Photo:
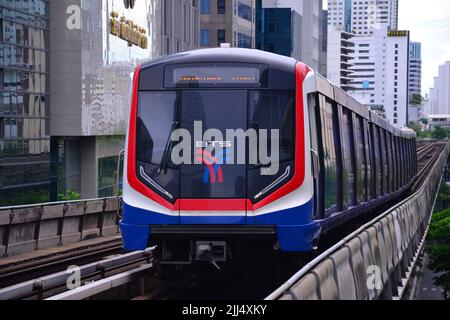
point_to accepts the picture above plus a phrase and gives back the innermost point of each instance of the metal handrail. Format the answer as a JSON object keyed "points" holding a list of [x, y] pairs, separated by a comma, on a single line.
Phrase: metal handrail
{"points": [[54, 203]]}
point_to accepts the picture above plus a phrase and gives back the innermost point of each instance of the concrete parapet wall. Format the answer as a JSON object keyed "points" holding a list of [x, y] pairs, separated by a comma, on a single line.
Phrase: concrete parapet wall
{"points": [[376, 261], [34, 227]]}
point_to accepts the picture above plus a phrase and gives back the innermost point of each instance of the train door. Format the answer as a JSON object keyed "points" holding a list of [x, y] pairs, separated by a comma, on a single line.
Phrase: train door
{"points": [[214, 182]]}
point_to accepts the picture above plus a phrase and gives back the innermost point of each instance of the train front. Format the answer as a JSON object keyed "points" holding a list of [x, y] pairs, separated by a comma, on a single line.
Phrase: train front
{"points": [[217, 155]]}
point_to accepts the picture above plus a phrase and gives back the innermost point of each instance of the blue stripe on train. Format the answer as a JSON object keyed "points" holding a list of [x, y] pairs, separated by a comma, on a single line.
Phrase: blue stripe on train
{"points": [[295, 229]]}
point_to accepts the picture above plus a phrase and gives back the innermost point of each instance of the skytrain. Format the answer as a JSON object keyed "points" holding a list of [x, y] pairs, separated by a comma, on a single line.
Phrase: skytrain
{"points": [[230, 144]]}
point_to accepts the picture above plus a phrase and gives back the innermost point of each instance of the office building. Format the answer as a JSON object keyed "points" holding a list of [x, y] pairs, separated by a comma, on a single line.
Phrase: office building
{"points": [[439, 120], [95, 47], [293, 28], [341, 49], [380, 73], [415, 68], [24, 102], [174, 26], [225, 21], [363, 17], [440, 93]]}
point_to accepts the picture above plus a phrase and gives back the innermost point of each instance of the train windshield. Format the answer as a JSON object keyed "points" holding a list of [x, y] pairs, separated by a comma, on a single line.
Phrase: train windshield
{"points": [[212, 143]]}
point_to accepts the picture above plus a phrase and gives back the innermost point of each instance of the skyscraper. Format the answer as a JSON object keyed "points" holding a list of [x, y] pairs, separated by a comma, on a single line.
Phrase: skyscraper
{"points": [[24, 102], [293, 28], [341, 48], [440, 93], [415, 68], [363, 17], [380, 73]]}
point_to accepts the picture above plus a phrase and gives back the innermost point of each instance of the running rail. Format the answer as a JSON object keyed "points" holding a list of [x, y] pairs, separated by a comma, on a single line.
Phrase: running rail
{"points": [[375, 261], [60, 279]]}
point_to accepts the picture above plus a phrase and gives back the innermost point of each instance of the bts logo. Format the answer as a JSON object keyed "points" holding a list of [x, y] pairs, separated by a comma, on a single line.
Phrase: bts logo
{"points": [[129, 4], [213, 165]]}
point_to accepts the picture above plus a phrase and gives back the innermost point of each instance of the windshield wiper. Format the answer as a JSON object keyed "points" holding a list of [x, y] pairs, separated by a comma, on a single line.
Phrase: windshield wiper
{"points": [[169, 144]]}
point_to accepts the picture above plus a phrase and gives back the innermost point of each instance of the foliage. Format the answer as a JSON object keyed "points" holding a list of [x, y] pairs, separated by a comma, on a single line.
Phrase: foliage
{"points": [[416, 99], [424, 121], [24, 197], [70, 196], [439, 237], [443, 199], [438, 133], [415, 126]]}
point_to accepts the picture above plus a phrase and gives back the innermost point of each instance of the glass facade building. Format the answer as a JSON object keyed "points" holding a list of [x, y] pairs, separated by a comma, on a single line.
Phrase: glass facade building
{"points": [[24, 102], [274, 30], [93, 61]]}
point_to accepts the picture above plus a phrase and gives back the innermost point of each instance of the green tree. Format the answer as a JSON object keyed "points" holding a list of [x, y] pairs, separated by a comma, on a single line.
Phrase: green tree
{"points": [[439, 133], [439, 250], [70, 196], [416, 100], [438, 246], [415, 126], [443, 199]]}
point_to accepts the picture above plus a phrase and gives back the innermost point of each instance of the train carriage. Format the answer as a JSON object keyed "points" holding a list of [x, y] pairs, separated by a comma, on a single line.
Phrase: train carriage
{"points": [[229, 143]]}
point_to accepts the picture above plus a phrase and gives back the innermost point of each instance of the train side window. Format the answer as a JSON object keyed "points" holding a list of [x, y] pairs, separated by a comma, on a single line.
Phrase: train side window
{"points": [[385, 161], [414, 156], [405, 152], [348, 157], [313, 107], [397, 163], [370, 162], [377, 158], [361, 160], [409, 160], [401, 160], [402, 163], [328, 151], [391, 162]]}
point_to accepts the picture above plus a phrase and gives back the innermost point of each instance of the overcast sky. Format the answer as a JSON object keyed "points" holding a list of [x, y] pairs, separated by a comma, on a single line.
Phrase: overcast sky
{"points": [[429, 23]]}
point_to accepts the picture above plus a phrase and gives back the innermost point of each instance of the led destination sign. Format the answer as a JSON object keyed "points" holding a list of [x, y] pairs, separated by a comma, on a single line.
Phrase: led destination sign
{"points": [[215, 76]]}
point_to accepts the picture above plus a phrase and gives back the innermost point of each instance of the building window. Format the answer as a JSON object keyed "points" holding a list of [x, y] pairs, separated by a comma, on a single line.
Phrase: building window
{"points": [[205, 35], [205, 6], [220, 37], [220, 6], [244, 41], [244, 11]]}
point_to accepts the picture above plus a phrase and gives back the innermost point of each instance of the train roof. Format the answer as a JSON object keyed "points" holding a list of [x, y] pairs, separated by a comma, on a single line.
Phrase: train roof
{"points": [[282, 63], [332, 91], [225, 55]]}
